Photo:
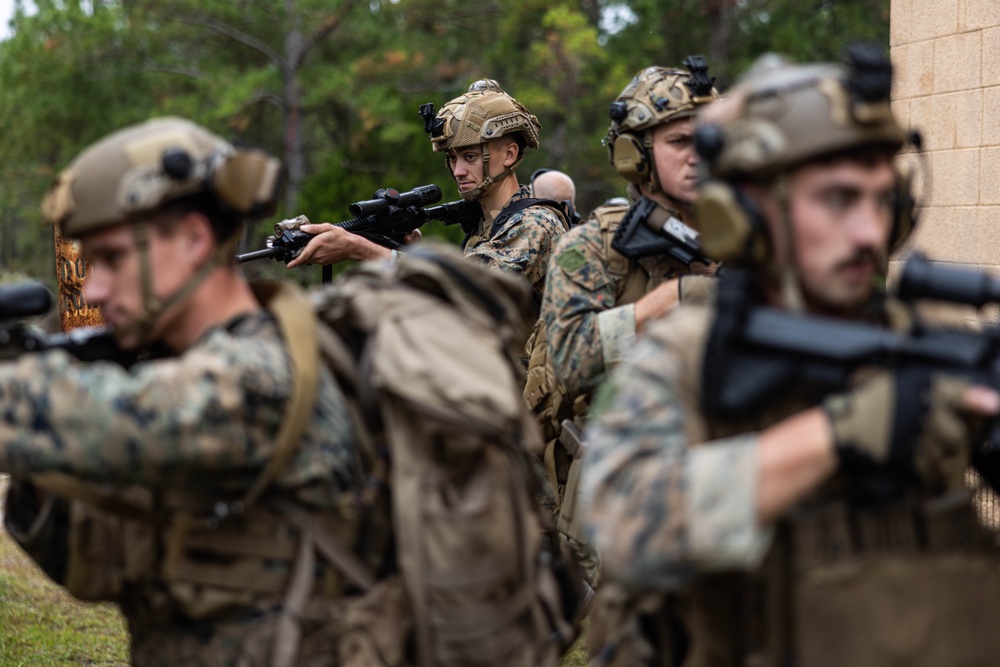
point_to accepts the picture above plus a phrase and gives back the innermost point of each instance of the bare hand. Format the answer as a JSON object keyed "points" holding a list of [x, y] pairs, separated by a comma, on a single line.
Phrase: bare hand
{"points": [[334, 244], [657, 303]]}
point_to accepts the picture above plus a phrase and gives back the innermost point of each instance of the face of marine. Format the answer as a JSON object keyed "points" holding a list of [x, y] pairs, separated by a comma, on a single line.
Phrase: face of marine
{"points": [[114, 271], [841, 213]]}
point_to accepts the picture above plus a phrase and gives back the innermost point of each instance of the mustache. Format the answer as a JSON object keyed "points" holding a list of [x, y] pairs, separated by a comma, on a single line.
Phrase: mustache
{"points": [[863, 256]]}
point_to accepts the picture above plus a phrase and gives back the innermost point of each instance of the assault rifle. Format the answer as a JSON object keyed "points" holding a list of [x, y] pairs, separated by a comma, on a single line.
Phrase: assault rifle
{"points": [[384, 220], [20, 301], [635, 238], [756, 354]]}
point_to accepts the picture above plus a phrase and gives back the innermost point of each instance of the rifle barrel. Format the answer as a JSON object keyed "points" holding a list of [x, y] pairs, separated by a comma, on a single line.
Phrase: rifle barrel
{"points": [[256, 254]]}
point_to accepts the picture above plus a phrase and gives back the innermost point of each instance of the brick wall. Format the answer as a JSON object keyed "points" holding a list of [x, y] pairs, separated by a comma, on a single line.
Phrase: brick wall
{"points": [[947, 59]]}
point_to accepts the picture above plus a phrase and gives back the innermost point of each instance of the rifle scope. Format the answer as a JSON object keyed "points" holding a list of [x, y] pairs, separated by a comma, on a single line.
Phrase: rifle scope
{"points": [[420, 196], [924, 279], [25, 299]]}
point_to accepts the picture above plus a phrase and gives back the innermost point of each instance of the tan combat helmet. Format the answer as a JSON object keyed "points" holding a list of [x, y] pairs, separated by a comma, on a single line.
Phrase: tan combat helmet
{"points": [[780, 115], [655, 96], [130, 174], [479, 116], [137, 170]]}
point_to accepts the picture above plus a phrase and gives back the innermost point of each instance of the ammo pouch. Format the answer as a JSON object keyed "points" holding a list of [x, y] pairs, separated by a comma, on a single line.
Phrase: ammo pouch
{"points": [[916, 584]]}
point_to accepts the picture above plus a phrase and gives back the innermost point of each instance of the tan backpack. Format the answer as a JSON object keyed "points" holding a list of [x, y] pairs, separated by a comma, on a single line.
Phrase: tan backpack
{"points": [[428, 350]]}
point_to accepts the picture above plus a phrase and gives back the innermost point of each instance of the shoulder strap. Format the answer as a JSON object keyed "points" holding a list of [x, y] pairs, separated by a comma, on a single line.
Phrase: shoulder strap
{"points": [[297, 322], [610, 218], [521, 204]]}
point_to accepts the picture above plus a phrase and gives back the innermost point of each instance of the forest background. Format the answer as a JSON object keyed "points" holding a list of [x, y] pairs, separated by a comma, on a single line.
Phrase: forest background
{"points": [[333, 86]]}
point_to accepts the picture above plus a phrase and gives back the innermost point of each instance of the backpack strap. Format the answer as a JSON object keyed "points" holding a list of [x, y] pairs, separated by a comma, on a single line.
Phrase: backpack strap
{"points": [[508, 211], [297, 322]]}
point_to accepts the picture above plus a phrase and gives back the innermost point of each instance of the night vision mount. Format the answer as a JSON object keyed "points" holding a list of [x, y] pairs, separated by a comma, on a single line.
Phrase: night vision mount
{"points": [[700, 84], [433, 125]]}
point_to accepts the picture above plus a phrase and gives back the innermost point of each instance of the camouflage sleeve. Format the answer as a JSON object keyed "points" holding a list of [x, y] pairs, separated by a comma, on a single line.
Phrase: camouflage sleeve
{"points": [[523, 246], [176, 422], [586, 332], [657, 509]]}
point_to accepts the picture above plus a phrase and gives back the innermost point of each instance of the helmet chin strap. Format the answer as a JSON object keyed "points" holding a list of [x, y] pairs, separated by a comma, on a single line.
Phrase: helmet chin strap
{"points": [[480, 190], [788, 274], [153, 306]]}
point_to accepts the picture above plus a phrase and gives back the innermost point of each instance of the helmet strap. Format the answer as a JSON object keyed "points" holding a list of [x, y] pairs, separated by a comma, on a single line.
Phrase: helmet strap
{"points": [[153, 306], [788, 277], [480, 191]]}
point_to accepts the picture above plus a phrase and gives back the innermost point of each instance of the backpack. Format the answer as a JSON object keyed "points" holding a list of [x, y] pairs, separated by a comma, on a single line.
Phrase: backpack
{"points": [[426, 351]]}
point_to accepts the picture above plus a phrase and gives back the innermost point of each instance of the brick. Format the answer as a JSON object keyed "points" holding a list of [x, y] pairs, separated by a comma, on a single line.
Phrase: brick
{"points": [[913, 70], [991, 114], [991, 63], [935, 118], [933, 18], [989, 186], [954, 177], [900, 22], [969, 119], [987, 237], [979, 14], [935, 236], [901, 110], [957, 63]]}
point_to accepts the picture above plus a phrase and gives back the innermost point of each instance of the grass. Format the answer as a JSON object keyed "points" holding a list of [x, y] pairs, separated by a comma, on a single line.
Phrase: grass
{"points": [[42, 625]]}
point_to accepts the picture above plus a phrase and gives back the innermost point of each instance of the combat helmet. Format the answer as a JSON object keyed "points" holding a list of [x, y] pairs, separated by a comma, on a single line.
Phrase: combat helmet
{"points": [[656, 95], [129, 175], [486, 112], [780, 115], [137, 170]]}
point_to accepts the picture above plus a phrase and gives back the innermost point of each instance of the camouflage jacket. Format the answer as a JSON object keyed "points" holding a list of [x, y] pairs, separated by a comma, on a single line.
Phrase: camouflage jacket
{"points": [[589, 322], [521, 245], [199, 425]]}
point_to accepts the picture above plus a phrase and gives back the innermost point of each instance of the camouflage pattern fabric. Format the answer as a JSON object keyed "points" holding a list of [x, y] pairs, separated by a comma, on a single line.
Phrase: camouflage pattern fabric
{"points": [[658, 509], [588, 327], [523, 245], [205, 423]]}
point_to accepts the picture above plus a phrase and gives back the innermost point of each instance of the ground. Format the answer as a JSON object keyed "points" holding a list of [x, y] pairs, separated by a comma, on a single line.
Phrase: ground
{"points": [[40, 624]]}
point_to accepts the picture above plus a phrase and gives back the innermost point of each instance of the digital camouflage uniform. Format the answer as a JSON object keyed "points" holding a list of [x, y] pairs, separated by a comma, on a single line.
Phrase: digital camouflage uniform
{"points": [[589, 318], [522, 245], [670, 500]]}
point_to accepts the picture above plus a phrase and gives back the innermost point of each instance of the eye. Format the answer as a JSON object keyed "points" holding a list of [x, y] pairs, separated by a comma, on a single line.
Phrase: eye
{"points": [[686, 141], [471, 157]]}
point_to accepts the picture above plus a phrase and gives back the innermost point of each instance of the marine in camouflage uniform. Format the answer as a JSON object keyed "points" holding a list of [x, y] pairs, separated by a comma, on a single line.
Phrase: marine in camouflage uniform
{"points": [[484, 134], [760, 527], [599, 292], [179, 488]]}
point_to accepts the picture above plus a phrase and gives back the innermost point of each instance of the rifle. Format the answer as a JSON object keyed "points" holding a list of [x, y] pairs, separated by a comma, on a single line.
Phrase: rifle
{"points": [[758, 354], [384, 220], [20, 301], [635, 239]]}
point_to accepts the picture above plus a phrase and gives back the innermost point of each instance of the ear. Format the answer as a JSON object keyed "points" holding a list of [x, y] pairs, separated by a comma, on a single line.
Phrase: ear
{"points": [[510, 152], [197, 237]]}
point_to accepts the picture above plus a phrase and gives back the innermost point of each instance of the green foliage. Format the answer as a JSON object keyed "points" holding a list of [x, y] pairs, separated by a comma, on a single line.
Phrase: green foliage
{"points": [[333, 86]]}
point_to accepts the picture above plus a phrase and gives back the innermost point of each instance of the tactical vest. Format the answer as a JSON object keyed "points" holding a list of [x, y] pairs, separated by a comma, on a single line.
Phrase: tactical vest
{"points": [[914, 582], [543, 393]]}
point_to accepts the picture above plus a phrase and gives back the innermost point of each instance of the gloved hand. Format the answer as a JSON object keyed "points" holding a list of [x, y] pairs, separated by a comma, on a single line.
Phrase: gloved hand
{"points": [[908, 421], [697, 288]]}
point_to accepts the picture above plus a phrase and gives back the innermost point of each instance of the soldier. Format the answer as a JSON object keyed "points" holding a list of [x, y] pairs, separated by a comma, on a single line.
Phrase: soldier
{"points": [[771, 527], [552, 184], [483, 135], [602, 289], [202, 480]]}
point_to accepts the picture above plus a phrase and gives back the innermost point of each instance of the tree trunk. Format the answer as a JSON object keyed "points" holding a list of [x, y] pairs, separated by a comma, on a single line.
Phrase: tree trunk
{"points": [[292, 107]]}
